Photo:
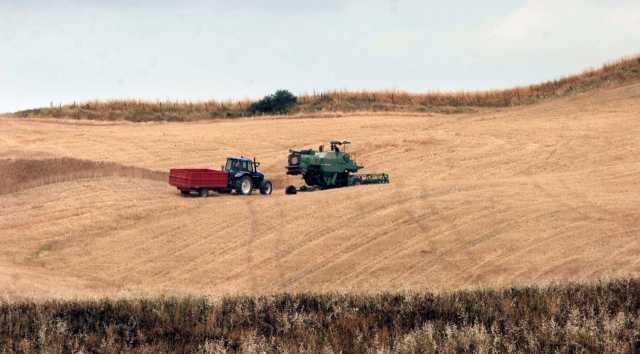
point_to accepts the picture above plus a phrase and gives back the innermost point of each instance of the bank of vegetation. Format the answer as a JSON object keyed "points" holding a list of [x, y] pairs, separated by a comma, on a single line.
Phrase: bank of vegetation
{"points": [[283, 102], [602, 317]]}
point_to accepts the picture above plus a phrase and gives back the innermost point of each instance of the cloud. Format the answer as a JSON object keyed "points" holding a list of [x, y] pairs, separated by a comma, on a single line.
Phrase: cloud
{"points": [[282, 6], [568, 35], [539, 20], [531, 19], [271, 6], [395, 41], [274, 6], [626, 16]]}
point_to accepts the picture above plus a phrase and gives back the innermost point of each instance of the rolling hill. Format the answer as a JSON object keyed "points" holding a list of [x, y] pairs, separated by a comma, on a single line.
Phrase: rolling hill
{"points": [[548, 191]]}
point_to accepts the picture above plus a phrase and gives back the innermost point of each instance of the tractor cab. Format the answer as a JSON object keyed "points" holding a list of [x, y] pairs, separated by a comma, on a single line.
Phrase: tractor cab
{"points": [[240, 164]]}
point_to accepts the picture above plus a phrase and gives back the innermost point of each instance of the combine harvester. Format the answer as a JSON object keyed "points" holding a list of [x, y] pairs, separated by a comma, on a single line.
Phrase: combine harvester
{"points": [[328, 169]]}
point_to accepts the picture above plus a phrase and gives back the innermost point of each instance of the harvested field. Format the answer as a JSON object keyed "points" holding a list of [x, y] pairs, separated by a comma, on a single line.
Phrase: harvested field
{"points": [[499, 197]]}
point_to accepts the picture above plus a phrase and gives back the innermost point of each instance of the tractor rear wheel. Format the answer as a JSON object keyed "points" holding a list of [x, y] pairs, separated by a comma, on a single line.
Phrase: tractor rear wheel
{"points": [[266, 187], [244, 186]]}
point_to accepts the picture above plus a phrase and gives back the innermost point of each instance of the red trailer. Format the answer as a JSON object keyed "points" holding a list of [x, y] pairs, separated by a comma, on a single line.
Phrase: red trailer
{"points": [[239, 174], [199, 180]]}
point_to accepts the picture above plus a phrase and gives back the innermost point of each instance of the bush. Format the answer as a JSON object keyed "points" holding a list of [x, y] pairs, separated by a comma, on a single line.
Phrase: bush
{"points": [[278, 103]]}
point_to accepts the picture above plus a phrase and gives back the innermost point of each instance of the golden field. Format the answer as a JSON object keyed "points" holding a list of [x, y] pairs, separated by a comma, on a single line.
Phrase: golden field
{"points": [[496, 197]]}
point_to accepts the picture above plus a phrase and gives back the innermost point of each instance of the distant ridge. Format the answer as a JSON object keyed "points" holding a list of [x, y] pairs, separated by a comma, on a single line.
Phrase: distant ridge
{"points": [[614, 73]]}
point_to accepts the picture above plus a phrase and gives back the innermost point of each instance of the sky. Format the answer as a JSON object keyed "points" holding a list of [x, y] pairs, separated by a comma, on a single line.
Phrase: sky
{"points": [[57, 52]]}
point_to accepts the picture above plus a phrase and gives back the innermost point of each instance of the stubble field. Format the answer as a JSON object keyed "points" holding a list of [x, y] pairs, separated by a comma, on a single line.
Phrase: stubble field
{"points": [[499, 197]]}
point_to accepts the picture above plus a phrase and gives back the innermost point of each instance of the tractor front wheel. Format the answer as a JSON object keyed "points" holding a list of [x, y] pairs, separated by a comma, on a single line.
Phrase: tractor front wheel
{"points": [[244, 186]]}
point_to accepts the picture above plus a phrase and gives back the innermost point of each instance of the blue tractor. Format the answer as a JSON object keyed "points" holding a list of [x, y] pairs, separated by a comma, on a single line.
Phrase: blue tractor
{"points": [[244, 176]]}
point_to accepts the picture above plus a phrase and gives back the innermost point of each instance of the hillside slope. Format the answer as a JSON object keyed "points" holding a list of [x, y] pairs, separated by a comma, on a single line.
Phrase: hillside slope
{"points": [[505, 196]]}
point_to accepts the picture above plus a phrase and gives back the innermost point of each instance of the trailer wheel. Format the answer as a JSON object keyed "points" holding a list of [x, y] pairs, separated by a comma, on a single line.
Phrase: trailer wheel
{"points": [[266, 187], [185, 193], [244, 186], [204, 192]]}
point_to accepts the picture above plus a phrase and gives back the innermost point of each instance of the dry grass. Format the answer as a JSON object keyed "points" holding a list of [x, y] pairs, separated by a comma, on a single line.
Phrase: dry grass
{"points": [[140, 110], [623, 70], [599, 318], [627, 69], [20, 174]]}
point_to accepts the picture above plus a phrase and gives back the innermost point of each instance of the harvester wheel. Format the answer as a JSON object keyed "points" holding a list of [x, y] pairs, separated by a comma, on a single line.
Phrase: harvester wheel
{"points": [[204, 192], [266, 187], [290, 190], [244, 186]]}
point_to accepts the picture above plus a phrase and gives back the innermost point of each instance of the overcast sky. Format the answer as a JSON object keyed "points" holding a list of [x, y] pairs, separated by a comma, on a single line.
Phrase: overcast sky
{"points": [[73, 50]]}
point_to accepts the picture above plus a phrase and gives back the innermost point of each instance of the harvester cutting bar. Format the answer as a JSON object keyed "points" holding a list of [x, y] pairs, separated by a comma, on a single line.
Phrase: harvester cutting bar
{"points": [[372, 178]]}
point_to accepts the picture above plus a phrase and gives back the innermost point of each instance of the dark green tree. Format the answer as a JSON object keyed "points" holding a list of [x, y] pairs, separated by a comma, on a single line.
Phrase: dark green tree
{"points": [[278, 103]]}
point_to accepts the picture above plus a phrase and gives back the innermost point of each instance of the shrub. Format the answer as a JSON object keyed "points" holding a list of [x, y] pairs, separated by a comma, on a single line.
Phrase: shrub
{"points": [[278, 103]]}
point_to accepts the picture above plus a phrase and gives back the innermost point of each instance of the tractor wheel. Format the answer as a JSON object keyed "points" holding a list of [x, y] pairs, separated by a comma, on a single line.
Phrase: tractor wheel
{"points": [[357, 182], [204, 192], [244, 186], [290, 190], [266, 187]]}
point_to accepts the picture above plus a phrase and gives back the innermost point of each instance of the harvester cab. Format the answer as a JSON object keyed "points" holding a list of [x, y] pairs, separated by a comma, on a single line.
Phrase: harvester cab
{"points": [[335, 146]]}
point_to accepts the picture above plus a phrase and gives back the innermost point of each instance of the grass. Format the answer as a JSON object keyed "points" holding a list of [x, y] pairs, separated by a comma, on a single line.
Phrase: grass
{"points": [[617, 72], [571, 318]]}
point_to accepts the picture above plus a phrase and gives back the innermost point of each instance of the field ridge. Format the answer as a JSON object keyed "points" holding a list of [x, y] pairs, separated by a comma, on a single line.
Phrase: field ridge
{"points": [[618, 72], [20, 174]]}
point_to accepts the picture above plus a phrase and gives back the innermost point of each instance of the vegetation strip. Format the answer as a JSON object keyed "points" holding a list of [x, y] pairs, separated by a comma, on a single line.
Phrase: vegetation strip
{"points": [[283, 102], [600, 317]]}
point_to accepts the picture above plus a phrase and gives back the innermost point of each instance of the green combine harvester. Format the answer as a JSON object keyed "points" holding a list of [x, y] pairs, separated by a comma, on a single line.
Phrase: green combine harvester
{"points": [[328, 169]]}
